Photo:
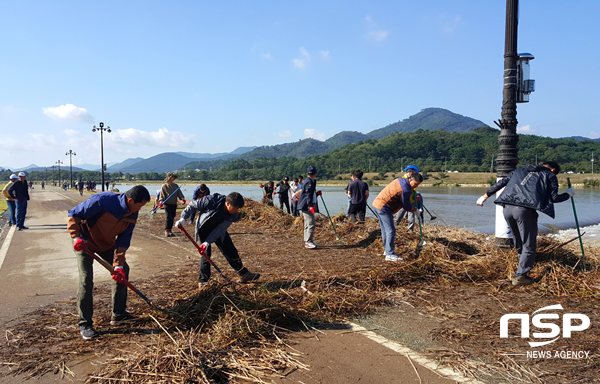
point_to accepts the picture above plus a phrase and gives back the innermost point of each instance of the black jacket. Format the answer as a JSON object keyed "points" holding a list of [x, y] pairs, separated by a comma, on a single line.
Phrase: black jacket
{"points": [[19, 190], [531, 186], [307, 196]]}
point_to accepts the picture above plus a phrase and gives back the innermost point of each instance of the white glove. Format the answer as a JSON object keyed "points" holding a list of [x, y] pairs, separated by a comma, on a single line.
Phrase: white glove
{"points": [[481, 200], [570, 191], [180, 222]]}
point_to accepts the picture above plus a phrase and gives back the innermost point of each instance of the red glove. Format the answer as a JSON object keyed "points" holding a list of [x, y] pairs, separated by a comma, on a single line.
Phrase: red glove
{"points": [[261, 185], [183, 201], [419, 198], [311, 210], [119, 275], [78, 244], [319, 193], [203, 247], [160, 205], [264, 196]]}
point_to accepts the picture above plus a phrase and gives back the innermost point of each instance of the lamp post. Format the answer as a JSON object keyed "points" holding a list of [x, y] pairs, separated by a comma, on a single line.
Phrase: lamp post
{"points": [[102, 129], [59, 163], [54, 166], [71, 154]]}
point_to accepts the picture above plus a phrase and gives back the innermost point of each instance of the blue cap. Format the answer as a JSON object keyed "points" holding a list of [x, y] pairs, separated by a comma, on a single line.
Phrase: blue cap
{"points": [[311, 170], [13, 176], [411, 168]]}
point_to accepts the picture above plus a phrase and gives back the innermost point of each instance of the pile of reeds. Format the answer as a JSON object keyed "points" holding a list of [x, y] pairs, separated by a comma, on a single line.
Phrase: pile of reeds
{"points": [[230, 332]]}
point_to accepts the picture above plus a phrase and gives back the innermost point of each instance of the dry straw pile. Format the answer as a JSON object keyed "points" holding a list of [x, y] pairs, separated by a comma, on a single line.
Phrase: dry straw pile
{"points": [[229, 332]]}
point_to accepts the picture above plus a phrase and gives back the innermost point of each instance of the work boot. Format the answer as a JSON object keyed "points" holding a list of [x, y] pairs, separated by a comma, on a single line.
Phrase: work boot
{"points": [[122, 319], [248, 277], [87, 332], [522, 280]]}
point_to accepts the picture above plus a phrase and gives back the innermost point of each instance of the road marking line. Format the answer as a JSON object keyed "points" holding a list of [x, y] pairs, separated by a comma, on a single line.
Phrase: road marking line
{"points": [[415, 356], [6, 244]]}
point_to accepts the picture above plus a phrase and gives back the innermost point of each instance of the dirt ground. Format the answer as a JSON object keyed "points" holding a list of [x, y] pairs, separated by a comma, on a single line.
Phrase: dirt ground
{"points": [[444, 301]]}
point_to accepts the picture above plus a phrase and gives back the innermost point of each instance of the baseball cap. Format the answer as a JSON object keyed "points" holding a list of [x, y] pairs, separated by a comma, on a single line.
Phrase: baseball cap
{"points": [[411, 167], [311, 170], [286, 179], [22, 174], [13, 176]]}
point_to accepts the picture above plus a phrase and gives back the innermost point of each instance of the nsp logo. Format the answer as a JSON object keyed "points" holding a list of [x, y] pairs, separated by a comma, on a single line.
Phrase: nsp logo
{"points": [[537, 321]]}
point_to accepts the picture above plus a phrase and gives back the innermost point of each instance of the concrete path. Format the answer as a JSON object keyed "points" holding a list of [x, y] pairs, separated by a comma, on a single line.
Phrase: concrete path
{"points": [[38, 268]]}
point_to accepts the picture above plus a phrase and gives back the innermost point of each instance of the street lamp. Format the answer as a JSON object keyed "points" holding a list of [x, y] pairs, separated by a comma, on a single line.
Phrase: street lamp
{"points": [[59, 163], [54, 166], [71, 154], [102, 129]]}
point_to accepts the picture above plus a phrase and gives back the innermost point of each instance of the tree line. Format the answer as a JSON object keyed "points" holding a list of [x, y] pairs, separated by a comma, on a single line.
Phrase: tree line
{"points": [[431, 151]]}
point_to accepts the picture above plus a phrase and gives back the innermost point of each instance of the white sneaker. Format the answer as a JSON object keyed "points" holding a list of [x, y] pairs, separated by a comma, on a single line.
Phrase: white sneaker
{"points": [[310, 245], [393, 258]]}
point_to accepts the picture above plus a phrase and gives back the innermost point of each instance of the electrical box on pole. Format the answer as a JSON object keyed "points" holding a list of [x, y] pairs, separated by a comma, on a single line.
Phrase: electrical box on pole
{"points": [[525, 85]]}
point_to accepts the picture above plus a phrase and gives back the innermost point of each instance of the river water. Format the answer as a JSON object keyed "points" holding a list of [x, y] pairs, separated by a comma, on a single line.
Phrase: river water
{"points": [[454, 206]]}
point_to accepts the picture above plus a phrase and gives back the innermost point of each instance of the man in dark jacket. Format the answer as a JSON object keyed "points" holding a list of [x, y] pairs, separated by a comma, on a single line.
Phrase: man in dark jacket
{"points": [[216, 213], [20, 192], [358, 192], [527, 190], [283, 192], [307, 199], [200, 191], [104, 223]]}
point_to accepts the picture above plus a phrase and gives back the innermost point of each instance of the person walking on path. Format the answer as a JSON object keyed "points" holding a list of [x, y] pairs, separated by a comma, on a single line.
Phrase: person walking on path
{"points": [[80, 187], [527, 190], [104, 223], [170, 202], [200, 191], [283, 194], [358, 192], [215, 214], [43, 185], [10, 202], [19, 191], [307, 198], [410, 216], [391, 199]]}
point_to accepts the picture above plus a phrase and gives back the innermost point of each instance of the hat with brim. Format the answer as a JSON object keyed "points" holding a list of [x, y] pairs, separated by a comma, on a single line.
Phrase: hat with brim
{"points": [[13, 176], [22, 174], [411, 168]]}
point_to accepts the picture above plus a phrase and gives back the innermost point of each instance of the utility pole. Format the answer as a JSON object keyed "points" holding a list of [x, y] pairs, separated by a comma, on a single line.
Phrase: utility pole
{"points": [[53, 175], [507, 158], [592, 163]]}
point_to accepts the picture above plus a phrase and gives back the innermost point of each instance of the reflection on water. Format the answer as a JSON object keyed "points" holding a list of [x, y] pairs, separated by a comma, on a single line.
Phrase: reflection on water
{"points": [[454, 206]]}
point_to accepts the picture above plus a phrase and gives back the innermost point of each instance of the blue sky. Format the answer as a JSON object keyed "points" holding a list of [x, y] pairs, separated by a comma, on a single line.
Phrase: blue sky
{"points": [[208, 76]]}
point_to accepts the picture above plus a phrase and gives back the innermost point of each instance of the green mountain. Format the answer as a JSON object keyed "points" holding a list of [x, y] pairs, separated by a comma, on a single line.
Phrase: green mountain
{"points": [[429, 119]]}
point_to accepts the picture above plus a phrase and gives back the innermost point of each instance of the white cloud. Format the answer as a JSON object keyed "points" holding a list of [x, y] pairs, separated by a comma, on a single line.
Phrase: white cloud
{"points": [[324, 54], [314, 134], [594, 135], [266, 56], [161, 138], [526, 129], [284, 134], [374, 32], [302, 61], [68, 112]]}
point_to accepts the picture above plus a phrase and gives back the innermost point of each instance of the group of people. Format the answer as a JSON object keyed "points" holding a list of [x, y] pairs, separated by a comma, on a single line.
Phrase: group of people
{"points": [[16, 192], [104, 223], [285, 191]]}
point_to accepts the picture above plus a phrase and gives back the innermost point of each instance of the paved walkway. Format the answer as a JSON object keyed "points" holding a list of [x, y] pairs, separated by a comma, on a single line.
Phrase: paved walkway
{"points": [[38, 268]]}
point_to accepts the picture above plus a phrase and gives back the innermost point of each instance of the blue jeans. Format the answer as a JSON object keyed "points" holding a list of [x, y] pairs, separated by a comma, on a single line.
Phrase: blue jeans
{"points": [[12, 208], [388, 230], [21, 211]]}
